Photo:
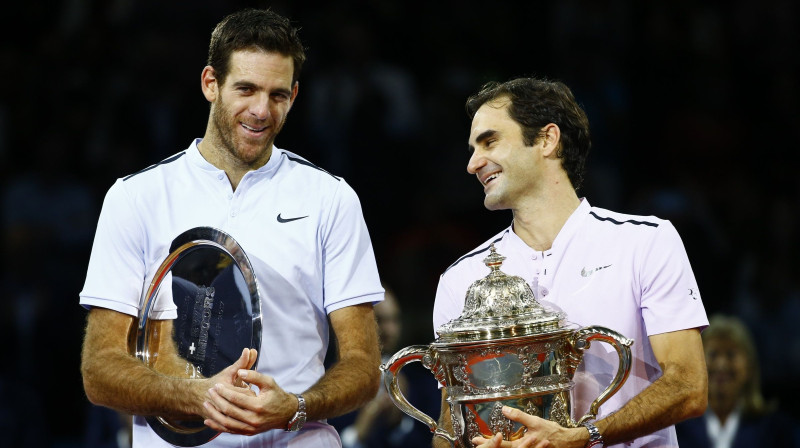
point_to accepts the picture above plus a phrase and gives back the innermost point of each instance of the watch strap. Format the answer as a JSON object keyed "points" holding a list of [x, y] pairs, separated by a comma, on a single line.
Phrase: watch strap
{"points": [[299, 418], [595, 438]]}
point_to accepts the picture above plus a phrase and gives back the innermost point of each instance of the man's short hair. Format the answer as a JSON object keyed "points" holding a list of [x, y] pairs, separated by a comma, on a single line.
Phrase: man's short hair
{"points": [[253, 28]]}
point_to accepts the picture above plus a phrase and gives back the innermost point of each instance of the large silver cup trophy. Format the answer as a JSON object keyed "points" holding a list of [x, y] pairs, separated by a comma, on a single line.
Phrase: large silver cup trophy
{"points": [[505, 349], [210, 280]]}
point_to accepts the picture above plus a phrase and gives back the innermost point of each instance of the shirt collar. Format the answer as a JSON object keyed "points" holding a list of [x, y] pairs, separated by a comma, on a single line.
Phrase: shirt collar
{"points": [[197, 159], [568, 230]]}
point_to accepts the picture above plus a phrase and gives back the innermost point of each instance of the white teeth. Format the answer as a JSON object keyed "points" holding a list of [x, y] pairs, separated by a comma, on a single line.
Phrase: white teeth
{"points": [[252, 128], [493, 176]]}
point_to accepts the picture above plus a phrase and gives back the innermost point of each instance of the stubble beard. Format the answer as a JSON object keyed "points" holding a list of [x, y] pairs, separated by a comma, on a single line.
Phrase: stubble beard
{"points": [[225, 124]]}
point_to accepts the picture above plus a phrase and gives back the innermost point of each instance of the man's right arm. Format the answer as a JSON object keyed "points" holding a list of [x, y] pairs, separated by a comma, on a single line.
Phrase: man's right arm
{"points": [[114, 378]]}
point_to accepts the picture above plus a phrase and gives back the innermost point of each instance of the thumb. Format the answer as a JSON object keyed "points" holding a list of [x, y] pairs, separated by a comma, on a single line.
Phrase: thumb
{"points": [[243, 360]]}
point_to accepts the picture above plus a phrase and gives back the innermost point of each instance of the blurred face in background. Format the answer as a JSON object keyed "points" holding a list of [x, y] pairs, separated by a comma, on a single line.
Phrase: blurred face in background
{"points": [[728, 370]]}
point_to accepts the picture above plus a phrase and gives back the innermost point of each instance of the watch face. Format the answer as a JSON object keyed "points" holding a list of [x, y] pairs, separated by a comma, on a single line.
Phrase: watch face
{"points": [[297, 422], [300, 416]]}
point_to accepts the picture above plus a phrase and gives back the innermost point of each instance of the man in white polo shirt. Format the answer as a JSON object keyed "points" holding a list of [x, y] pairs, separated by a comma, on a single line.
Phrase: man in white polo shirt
{"points": [[529, 141], [303, 231]]}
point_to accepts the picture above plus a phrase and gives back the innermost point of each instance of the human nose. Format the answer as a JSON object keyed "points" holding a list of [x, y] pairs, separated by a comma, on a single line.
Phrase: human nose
{"points": [[260, 107], [476, 162]]}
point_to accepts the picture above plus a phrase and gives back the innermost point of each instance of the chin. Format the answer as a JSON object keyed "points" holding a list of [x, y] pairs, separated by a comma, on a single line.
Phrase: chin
{"points": [[251, 154], [493, 204]]}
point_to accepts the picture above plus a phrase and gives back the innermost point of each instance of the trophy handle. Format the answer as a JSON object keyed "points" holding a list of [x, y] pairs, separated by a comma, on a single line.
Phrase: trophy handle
{"points": [[581, 340], [414, 353]]}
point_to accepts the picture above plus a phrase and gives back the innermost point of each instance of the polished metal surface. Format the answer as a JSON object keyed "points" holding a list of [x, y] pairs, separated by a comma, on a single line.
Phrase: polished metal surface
{"points": [[211, 282], [504, 349]]}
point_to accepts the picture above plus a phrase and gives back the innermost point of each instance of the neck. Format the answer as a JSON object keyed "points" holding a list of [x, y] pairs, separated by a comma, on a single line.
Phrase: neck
{"points": [[215, 152], [722, 406], [539, 220]]}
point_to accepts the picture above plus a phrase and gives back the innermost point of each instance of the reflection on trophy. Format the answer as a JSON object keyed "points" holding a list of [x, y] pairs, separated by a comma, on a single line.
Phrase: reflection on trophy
{"points": [[210, 281], [505, 349]]}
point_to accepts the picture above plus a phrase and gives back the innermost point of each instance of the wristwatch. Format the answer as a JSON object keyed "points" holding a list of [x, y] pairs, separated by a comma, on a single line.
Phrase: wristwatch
{"points": [[299, 418], [595, 438]]}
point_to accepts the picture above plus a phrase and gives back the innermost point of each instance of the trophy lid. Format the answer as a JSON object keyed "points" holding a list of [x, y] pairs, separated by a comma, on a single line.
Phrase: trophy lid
{"points": [[499, 306]]}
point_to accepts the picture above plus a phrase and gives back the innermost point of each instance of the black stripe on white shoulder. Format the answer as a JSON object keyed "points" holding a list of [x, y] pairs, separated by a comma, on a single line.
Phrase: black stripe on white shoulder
{"points": [[305, 162], [619, 223], [163, 162], [477, 252]]}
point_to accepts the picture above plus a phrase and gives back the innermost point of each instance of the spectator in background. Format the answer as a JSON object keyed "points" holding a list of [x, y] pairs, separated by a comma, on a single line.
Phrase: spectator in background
{"points": [[381, 424], [738, 416]]}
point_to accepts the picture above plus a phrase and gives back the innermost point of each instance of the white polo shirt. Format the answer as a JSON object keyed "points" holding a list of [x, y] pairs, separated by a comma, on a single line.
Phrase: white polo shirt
{"points": [[316, 259], [628, 273]]}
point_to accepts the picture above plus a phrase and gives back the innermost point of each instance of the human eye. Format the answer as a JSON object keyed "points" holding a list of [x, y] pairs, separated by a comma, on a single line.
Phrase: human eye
{"points": [[280, 96], [245, 90]]}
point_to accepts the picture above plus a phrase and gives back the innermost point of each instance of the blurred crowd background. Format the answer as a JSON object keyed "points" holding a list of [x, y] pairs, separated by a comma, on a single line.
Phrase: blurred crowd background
{"points": [[693, 107]]}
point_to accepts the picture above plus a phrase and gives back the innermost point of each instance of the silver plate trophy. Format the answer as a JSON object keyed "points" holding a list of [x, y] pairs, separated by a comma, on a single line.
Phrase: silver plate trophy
{"points": [[211, 282], [505, 349]]}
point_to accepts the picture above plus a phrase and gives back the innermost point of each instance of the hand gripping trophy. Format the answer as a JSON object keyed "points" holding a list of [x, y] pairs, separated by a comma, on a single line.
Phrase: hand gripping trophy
{"points": [[505, 349]]}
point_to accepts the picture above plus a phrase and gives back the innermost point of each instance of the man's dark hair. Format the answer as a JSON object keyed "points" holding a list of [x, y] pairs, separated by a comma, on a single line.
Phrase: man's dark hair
{"points": [[259, 29], [536, 103]]}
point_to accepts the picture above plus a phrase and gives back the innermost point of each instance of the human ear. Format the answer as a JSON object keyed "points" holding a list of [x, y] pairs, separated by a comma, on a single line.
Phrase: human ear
{"points": [[551, 140], [208, 83]]}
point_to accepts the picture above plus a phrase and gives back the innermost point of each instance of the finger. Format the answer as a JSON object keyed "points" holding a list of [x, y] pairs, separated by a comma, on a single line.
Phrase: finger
{"points": [[253, 356], [528, 441], [494, 442], [228, 410], [218, 421], [244, 359], [519, 416], [232, 400], [259, 379], [229, 373]]}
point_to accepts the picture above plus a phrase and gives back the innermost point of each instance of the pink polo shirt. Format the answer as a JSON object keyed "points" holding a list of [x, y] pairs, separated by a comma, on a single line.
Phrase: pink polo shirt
{"points": [[625, 272]]}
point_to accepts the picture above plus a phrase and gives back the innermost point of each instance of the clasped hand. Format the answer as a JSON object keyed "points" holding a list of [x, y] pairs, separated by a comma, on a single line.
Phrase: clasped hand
{"points": [[231, 405]]}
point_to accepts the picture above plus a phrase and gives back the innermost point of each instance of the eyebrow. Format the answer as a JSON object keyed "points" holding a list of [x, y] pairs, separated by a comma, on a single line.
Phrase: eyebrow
{"points": [[482, 137], [244, 84]]}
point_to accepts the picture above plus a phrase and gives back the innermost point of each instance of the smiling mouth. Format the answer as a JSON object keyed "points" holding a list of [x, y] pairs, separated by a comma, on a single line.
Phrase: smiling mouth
{"points": [[254, 129], [489, 179]]}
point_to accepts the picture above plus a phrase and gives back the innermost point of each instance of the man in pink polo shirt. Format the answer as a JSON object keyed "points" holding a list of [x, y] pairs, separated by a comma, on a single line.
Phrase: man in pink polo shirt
{"points": [[529, 141]]}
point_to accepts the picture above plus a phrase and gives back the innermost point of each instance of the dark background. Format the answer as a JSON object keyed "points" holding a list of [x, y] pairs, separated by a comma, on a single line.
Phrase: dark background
{"points": [[693, 107]]}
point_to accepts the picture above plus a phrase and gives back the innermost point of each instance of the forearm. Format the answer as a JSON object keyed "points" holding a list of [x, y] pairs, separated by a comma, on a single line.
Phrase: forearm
{"points": [[353, 380], [114, 378], [672, 398], [140, 390], [346, 386]]}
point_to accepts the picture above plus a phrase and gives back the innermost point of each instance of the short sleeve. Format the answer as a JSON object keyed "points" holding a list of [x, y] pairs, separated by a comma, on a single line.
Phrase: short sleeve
{"points": [[447, 306], [349, 267], [117, 270], [670, 299]]}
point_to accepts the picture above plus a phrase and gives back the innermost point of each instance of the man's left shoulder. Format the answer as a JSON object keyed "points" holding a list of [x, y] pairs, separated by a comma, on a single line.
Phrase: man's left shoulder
{"points": [[611, 221], [306, 170]]}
